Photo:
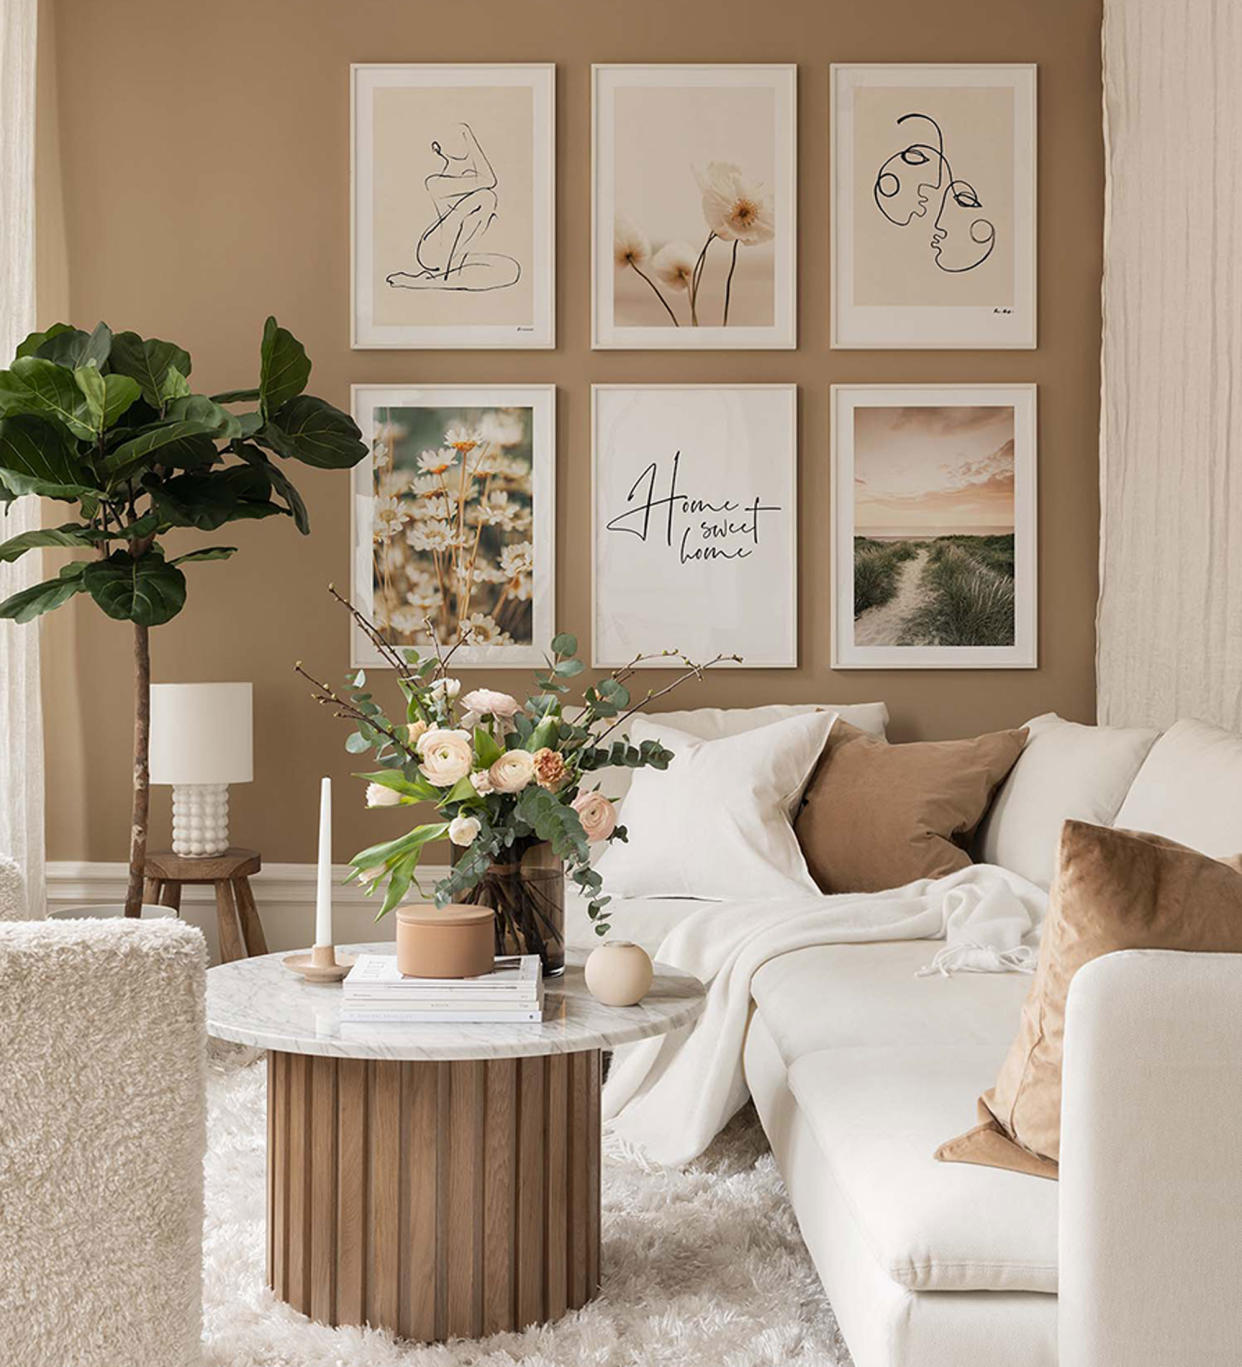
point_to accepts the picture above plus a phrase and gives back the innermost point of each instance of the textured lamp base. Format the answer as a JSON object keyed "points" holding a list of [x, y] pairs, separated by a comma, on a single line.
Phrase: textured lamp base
{"points": [[200, 819], [434, 1199]]}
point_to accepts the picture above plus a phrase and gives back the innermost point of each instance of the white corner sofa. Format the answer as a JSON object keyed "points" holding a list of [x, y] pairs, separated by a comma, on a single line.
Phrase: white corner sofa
{"points": [[859, 1069]]}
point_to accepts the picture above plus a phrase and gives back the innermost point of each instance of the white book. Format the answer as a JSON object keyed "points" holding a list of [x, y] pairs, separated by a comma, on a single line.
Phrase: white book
{"points": [[481, 1016], [376, 975]]}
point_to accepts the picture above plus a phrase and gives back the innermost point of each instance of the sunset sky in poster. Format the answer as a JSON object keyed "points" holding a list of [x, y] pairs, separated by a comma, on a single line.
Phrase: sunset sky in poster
{"points": [[933, 471]]}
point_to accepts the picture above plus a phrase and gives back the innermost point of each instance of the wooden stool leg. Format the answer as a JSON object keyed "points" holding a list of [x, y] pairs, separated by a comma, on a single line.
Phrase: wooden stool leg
{"points": [[151, 891], [248, 915], [231, 946], [170, 896]]}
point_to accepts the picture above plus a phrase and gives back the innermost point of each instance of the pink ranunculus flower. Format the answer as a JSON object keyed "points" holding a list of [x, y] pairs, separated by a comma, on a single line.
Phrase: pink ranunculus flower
{"points": [[487, 700], [447, 755], [597, 814]]}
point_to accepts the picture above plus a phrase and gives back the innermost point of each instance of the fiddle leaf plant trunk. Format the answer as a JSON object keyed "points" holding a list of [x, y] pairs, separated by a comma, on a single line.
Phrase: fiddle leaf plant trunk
{"points": [[107, 422]]}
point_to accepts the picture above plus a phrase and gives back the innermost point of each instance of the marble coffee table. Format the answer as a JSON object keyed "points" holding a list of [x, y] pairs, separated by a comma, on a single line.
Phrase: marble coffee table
{"points": [[435, 1180]]}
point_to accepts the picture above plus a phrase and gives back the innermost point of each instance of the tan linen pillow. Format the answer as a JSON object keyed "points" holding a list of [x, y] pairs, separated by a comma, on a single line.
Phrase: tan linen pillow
{"points": [[1113, 890], [877, 816]]}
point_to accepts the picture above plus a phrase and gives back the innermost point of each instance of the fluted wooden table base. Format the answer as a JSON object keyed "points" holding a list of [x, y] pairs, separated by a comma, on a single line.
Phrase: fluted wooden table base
{"points": [[434, 1199]]}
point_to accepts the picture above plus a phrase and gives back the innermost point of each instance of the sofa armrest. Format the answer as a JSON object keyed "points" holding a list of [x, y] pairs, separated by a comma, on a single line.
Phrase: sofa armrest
{"points": [[1151, 1161]]}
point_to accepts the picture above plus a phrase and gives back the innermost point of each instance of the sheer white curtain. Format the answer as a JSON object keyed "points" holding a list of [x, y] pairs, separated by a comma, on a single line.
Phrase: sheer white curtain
{"points": [[1170, 613], [21, 733]]}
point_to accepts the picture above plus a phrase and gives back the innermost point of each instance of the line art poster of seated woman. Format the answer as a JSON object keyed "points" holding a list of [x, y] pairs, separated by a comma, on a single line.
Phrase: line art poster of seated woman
{"points": [[464, 204]]}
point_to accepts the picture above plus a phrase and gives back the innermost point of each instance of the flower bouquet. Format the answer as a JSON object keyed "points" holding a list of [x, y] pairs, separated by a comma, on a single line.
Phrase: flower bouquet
{"points": [[511, 783]]}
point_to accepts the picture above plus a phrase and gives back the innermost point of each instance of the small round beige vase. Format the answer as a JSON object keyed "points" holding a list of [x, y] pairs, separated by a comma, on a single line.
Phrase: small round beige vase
{"points": [[445, 942], [619, 973]]}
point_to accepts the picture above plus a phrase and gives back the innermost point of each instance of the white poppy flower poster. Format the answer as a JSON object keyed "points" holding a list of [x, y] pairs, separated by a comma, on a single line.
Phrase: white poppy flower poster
{"points": [[454, 522], [695, 524], [694, 203], [933, 206]]}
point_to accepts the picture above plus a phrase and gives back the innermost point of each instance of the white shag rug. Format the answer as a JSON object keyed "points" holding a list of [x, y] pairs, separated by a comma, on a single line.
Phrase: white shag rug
{"points": [[701, 1268]]}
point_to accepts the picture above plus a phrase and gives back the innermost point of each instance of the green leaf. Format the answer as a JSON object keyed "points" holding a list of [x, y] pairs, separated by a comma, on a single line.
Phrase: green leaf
{"points": [[564, 643], [35, 340], [391, 850], [29, 603], [91, 385], [567, 669], [73, 348], [205, 553], [167, 444], [356, 743], [284, 367], [198, 408], [33, 385], [208, 499], [543, 734], [461, 791], [236, 396], [68, 535], [146, 590], [312, 431], [40, 457], [281, 485], [147, 360], [174, 385], [485, 747], [120, 392]]}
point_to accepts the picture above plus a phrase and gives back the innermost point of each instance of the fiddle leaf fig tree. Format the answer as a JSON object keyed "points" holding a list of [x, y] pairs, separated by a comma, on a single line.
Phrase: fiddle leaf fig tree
{"points": [[108, 423]]}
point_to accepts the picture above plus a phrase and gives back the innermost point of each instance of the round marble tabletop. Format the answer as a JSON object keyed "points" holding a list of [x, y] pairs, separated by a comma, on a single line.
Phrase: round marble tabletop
{"points": [[260, 1002]]}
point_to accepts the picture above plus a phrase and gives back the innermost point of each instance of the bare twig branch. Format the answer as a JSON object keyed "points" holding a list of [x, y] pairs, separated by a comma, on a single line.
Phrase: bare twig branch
{"points": [[392, 657], [324, 693]]}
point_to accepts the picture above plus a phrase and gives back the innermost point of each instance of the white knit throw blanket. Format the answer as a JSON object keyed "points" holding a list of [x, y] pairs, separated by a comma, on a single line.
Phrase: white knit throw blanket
{"points": [[668, 1097]]}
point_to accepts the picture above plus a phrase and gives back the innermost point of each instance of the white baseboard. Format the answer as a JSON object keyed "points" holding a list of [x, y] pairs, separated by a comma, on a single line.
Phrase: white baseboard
{"points": [[284, 894]]}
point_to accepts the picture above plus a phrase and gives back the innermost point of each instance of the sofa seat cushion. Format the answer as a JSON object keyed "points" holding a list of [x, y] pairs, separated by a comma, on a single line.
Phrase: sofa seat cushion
{"points": [[878, 1113], [831, 996]]}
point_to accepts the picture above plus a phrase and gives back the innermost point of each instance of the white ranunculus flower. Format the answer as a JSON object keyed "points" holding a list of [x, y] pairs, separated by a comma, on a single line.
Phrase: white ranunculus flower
{"points": [[463, 830], [379, 796], [482, 781], [447, 755], [673, 265], [630, 245], [488, 700], [512, 771], [445, 687], [736, 209]]}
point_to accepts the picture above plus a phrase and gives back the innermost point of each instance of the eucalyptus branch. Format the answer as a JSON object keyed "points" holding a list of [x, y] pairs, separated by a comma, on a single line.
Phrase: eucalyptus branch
{"points": [[326, 695], [692, 671]]}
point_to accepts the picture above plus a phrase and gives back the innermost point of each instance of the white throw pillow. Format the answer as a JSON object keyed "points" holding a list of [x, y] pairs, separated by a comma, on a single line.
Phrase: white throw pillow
{"points": [[716, 824], [1066, 771], [713, 723], [1190, 790]]}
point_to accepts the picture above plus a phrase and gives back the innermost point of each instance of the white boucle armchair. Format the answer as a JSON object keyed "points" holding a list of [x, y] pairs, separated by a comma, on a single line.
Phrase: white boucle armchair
{"points": [[102, 1132]]}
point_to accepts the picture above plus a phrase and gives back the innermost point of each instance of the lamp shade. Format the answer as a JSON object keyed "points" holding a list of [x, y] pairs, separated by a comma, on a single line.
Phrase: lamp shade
{"points": [[202, 733]]}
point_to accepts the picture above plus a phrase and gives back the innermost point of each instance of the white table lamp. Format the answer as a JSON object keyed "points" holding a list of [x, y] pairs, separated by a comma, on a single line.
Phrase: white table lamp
{"points": [[202, 739]]}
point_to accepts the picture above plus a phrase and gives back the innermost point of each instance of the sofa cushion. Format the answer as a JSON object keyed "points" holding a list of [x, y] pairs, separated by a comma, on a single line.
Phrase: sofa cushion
{"points": [[852, 995], [644, 920], [716, 823], [1065, 770], [1188, 789], [877, 1112], [878, 816], [714, 723]]}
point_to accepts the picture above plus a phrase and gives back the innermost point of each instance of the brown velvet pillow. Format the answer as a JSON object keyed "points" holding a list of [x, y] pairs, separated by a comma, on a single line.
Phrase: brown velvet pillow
{"points": [[1113, 890], [877, 816]]}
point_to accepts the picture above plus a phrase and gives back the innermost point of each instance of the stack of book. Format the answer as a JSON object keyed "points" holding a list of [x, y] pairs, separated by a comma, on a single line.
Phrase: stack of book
{"points": [[376, 992]]}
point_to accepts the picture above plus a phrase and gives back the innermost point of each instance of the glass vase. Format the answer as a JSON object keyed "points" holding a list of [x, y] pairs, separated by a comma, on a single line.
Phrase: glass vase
{"points": [[525, 888]]}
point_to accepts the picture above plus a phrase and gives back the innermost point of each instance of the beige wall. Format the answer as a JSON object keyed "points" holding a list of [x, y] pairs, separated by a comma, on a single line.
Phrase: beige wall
{"points": [[205, 150]]}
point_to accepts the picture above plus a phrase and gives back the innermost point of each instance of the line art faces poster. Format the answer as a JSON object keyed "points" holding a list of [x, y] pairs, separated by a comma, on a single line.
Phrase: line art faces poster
{"points": [[695, 522]]}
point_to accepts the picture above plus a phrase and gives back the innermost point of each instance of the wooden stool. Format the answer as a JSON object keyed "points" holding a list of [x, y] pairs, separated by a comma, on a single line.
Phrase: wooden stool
{"points": [[241, 932]]}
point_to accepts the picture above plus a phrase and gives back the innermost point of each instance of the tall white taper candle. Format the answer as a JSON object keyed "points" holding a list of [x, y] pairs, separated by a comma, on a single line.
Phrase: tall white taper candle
{"points": [[323, 883]]}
